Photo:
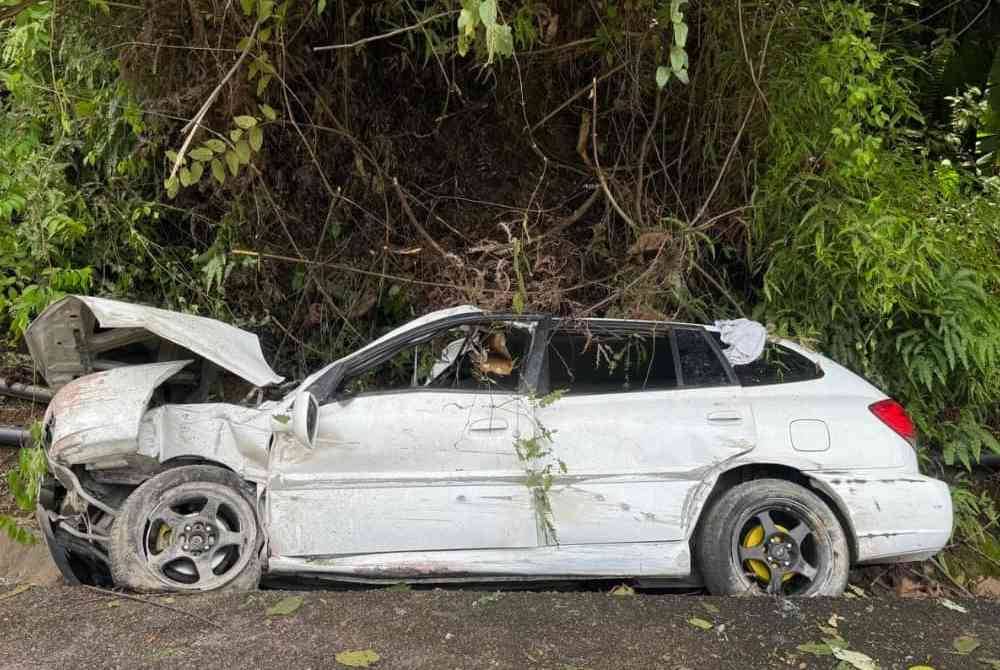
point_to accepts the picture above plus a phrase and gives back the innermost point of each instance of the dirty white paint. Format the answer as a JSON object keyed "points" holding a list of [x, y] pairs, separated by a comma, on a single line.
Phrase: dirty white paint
{"points": [[95, 419], [661, 559], [421, 469], [895, 516], [634, 473], [427, 482], [234, 436], [54, 346]]}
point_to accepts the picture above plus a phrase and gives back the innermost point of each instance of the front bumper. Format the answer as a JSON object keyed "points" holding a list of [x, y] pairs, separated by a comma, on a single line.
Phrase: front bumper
{"points": [[894, 517], [79, 561]]}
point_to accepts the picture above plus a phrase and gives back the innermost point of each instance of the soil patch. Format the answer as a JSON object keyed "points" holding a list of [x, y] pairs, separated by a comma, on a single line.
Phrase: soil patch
{"points": [[75, 627]]}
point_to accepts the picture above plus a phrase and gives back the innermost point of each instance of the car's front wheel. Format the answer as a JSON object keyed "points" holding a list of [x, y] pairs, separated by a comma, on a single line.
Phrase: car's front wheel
{"points": [[191, 528], [771, 536]]}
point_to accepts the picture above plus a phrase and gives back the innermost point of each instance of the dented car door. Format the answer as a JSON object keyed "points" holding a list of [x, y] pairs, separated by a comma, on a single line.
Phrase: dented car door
{"points": [[415, 452], [637, 427]]}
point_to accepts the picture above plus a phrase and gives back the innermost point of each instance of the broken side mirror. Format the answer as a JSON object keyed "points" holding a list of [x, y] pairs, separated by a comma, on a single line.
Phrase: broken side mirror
{"points": [[305, 418]]}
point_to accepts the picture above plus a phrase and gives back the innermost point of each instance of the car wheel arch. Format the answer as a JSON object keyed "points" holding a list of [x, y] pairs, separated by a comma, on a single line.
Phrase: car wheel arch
{"points": [[751, 471]]}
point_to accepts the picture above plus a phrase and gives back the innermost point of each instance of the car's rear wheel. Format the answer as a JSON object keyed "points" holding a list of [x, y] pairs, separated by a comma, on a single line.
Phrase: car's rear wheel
{"points": [[772, 537], [191, 528]]}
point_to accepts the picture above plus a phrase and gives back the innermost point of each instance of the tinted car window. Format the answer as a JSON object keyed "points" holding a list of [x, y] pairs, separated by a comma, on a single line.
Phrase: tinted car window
{"points": [[777, 365], [700, 365], [610, 363]]}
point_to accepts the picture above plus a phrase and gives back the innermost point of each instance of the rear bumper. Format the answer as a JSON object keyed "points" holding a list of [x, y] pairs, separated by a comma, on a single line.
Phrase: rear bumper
{"points": [[894, 517]]}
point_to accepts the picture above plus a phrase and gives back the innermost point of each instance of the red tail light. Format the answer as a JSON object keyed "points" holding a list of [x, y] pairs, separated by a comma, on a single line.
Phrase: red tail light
{"points": [[892, 414]]}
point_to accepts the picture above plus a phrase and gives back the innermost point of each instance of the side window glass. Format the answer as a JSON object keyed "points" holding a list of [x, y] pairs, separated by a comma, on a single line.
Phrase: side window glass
{"points": [[610, 363], [700, 365], [777, 365], [475, 357]]}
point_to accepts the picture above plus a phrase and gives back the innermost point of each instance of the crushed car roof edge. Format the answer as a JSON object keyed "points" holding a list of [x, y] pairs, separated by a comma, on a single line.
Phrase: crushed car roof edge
{"points": [[229, 347]]}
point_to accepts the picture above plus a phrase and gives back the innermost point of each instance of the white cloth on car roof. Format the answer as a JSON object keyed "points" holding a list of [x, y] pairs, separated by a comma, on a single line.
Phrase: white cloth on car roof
{"points": [[745, 338]]}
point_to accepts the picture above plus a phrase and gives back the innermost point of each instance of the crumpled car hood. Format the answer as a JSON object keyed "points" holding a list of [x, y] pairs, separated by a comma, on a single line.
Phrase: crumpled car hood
{"points": [[64, 342]]}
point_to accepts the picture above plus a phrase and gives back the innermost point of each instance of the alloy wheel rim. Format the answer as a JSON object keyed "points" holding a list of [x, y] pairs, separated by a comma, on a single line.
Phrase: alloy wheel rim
{"points": [[198, 540], [778, 550]]}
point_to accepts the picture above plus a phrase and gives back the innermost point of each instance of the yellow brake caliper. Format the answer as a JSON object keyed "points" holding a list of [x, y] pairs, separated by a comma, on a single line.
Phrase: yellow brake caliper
{"points": [[753, 538]]}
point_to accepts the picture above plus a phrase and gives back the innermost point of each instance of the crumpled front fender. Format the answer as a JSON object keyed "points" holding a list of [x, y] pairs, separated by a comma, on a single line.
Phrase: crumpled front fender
{"points": [[95, 419]]}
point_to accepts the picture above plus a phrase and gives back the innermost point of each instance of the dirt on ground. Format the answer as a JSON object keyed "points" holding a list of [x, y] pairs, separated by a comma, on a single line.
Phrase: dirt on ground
{"points": [[461, 628]]}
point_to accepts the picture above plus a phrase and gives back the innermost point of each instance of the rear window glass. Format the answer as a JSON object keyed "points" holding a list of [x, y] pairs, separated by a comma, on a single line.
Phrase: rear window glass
{"points": [[777, 365], [610, 363], [700, 365]]}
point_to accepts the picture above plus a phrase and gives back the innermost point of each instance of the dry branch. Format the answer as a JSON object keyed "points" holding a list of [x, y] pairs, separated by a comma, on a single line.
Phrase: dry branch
{"points": [[191, 127], [383, 36]]}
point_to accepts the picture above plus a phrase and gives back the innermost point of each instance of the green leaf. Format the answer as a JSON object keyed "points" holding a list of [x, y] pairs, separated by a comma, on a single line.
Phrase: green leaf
{"points": [[233, 161], [700, 623], [245, 122], [467, 23], [264, 9], [285, 606], [172, 185], [202, 154], [683, 76], [256, 137], [218, 146], [675, 11], [246, 6], [363, 658], [488, 13], [218, 171], [966, 644], [680, 34], [621, 589], [185, 175], [855, 659], [235, 134], [662, 76], [320, 7], [197, 169], [243, 152], [268, 112], [678, 58]]}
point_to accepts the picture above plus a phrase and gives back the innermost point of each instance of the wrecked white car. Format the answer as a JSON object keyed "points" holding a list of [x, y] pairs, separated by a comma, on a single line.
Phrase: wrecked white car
{"points": [[467, 445]]}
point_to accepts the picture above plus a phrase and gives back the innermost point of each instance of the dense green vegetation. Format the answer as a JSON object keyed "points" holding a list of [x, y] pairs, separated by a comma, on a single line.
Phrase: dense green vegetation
{"points": [[832, 168]]}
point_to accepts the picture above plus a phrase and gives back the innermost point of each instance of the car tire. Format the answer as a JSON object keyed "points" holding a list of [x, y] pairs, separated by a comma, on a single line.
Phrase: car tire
{"points": [[772, 537], [190, 528]]}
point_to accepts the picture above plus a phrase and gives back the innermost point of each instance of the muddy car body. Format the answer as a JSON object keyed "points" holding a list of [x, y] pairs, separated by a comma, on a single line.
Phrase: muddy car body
{"points": [[467, 445]]}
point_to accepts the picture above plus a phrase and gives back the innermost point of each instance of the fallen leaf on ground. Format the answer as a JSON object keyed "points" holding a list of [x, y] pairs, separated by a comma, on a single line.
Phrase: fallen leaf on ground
{"points": [[855, 659], [834, 619], [856, 590], [952, 605], [115, 603], [363, 658], [991, 663], [285, 606], [816, 649], [709, 607], [829, 630], [623, 590], [965, 645], [700, 623], [920, 667], [987, 588], [21, 588]]}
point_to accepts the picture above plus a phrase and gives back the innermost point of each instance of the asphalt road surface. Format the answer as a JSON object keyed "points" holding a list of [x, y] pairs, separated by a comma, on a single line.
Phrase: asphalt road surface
{"points": [[443, 629]]}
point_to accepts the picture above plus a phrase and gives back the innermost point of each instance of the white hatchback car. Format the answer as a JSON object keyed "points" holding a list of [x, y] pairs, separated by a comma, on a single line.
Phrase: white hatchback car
{"points": [[475, 446]]}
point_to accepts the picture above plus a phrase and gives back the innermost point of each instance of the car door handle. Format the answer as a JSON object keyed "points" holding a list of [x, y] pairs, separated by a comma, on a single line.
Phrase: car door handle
{"points": [[725, 417], [488, 425]]}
